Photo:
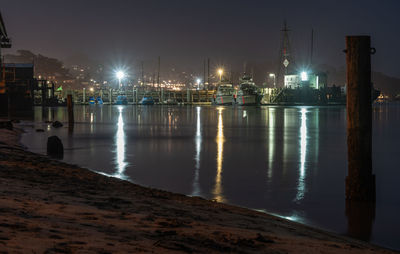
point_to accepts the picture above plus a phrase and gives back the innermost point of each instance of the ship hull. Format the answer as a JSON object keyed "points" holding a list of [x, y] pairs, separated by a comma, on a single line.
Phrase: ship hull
{"points": [[246, 100], [224, 100]]}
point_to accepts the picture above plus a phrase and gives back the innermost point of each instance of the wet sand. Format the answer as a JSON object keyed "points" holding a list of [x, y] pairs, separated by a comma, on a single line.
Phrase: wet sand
{"points": [[47, 206]]}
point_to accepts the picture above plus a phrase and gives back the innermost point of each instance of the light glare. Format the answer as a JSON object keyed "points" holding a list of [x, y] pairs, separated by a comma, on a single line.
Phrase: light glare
{"points": [[304, 76], [120, 74]]}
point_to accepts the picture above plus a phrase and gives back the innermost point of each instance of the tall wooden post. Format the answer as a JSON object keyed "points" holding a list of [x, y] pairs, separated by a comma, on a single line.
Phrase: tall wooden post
{"points": [[136, 96], [52, 90], [360, 182], [70, 107], [84, 95], [44, 89], [188, 96]]}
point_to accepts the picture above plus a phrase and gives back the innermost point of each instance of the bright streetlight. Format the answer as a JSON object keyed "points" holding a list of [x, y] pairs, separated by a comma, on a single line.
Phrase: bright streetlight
{"points": [[272, 75], [220, 72], [120, 75]]}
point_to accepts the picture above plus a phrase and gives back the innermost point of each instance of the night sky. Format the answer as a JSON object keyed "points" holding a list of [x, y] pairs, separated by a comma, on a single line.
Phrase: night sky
{"points": [[183, 32]]}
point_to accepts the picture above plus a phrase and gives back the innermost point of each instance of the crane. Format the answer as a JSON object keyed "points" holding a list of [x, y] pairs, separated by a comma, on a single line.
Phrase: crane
{"points": [[5, 42]]}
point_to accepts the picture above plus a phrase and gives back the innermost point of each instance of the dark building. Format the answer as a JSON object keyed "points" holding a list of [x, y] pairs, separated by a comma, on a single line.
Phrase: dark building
{"points": [[15, 82], [18, 72], [16, 88]]}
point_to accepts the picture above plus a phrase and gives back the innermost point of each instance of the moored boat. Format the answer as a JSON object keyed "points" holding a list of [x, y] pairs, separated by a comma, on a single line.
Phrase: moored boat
{"points": [[121, 100], [147, 100], [247, 94], [99, 100], [224, 94], [92, 101]]}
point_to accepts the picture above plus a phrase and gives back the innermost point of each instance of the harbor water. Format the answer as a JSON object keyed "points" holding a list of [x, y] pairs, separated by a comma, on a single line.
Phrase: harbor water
{"points": [[289, 161]]}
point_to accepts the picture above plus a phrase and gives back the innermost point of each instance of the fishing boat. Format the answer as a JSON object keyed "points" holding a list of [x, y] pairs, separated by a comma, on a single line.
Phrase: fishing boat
{"points": [[224, 94], [248, 91], [147, 100]]}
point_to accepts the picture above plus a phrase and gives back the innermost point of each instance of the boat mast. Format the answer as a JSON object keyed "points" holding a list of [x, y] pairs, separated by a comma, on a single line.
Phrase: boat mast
{"points": [[208, 73], [158, 74], [204, 74], [142, 85], [312, 46]]}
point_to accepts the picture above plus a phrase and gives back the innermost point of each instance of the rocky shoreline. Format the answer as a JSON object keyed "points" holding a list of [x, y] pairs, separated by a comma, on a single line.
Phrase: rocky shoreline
{"points": [[48, 206]]}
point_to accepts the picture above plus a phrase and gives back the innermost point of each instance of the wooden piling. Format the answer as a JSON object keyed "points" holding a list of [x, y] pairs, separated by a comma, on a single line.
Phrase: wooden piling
{"points": [[70, 107], [84, 95], [188, 96], [360, 182]]}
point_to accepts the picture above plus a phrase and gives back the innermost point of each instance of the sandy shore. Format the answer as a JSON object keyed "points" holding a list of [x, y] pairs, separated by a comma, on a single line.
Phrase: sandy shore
{"points": [[47, 206]]}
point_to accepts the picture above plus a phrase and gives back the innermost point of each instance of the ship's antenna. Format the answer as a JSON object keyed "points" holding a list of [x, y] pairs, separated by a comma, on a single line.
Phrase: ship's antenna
{"points": [[312, 46], [142, 75], [204, 74], [208, 73], [231, 73], [158, 73]]}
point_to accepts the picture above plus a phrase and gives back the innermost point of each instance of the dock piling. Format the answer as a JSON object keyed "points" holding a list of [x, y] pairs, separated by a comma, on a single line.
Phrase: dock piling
{"points": [[70, 107], [360, 182]]}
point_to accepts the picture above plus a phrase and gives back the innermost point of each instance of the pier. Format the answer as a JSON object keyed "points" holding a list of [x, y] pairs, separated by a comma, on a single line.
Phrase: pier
{"points": [[45, 94], [109, 96]]}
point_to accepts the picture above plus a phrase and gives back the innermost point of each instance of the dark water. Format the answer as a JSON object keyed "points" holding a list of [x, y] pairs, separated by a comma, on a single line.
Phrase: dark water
{"points": [[290, 161]]}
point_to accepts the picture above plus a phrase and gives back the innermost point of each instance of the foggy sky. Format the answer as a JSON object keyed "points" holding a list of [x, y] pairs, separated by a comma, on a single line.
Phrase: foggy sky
{"points": [[184, 32]]}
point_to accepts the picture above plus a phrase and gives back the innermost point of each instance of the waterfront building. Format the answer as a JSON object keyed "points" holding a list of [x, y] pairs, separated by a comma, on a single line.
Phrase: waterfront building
{"points": [[305, 79]]}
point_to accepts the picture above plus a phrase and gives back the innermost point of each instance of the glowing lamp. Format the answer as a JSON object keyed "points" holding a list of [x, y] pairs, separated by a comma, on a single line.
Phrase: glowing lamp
{"points": [[304, 76], [120, 74]]}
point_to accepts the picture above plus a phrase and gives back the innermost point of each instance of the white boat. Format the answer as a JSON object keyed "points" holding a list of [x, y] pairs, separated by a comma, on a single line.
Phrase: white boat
{"points": [[224, 94], [247, 94]]}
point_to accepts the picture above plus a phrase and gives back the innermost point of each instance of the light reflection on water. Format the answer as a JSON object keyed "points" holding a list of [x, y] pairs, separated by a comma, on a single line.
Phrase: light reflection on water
{"points": [[271, 140], [301, 187], [196, 185], [220, 157], [290, 161], [120, 147]]}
